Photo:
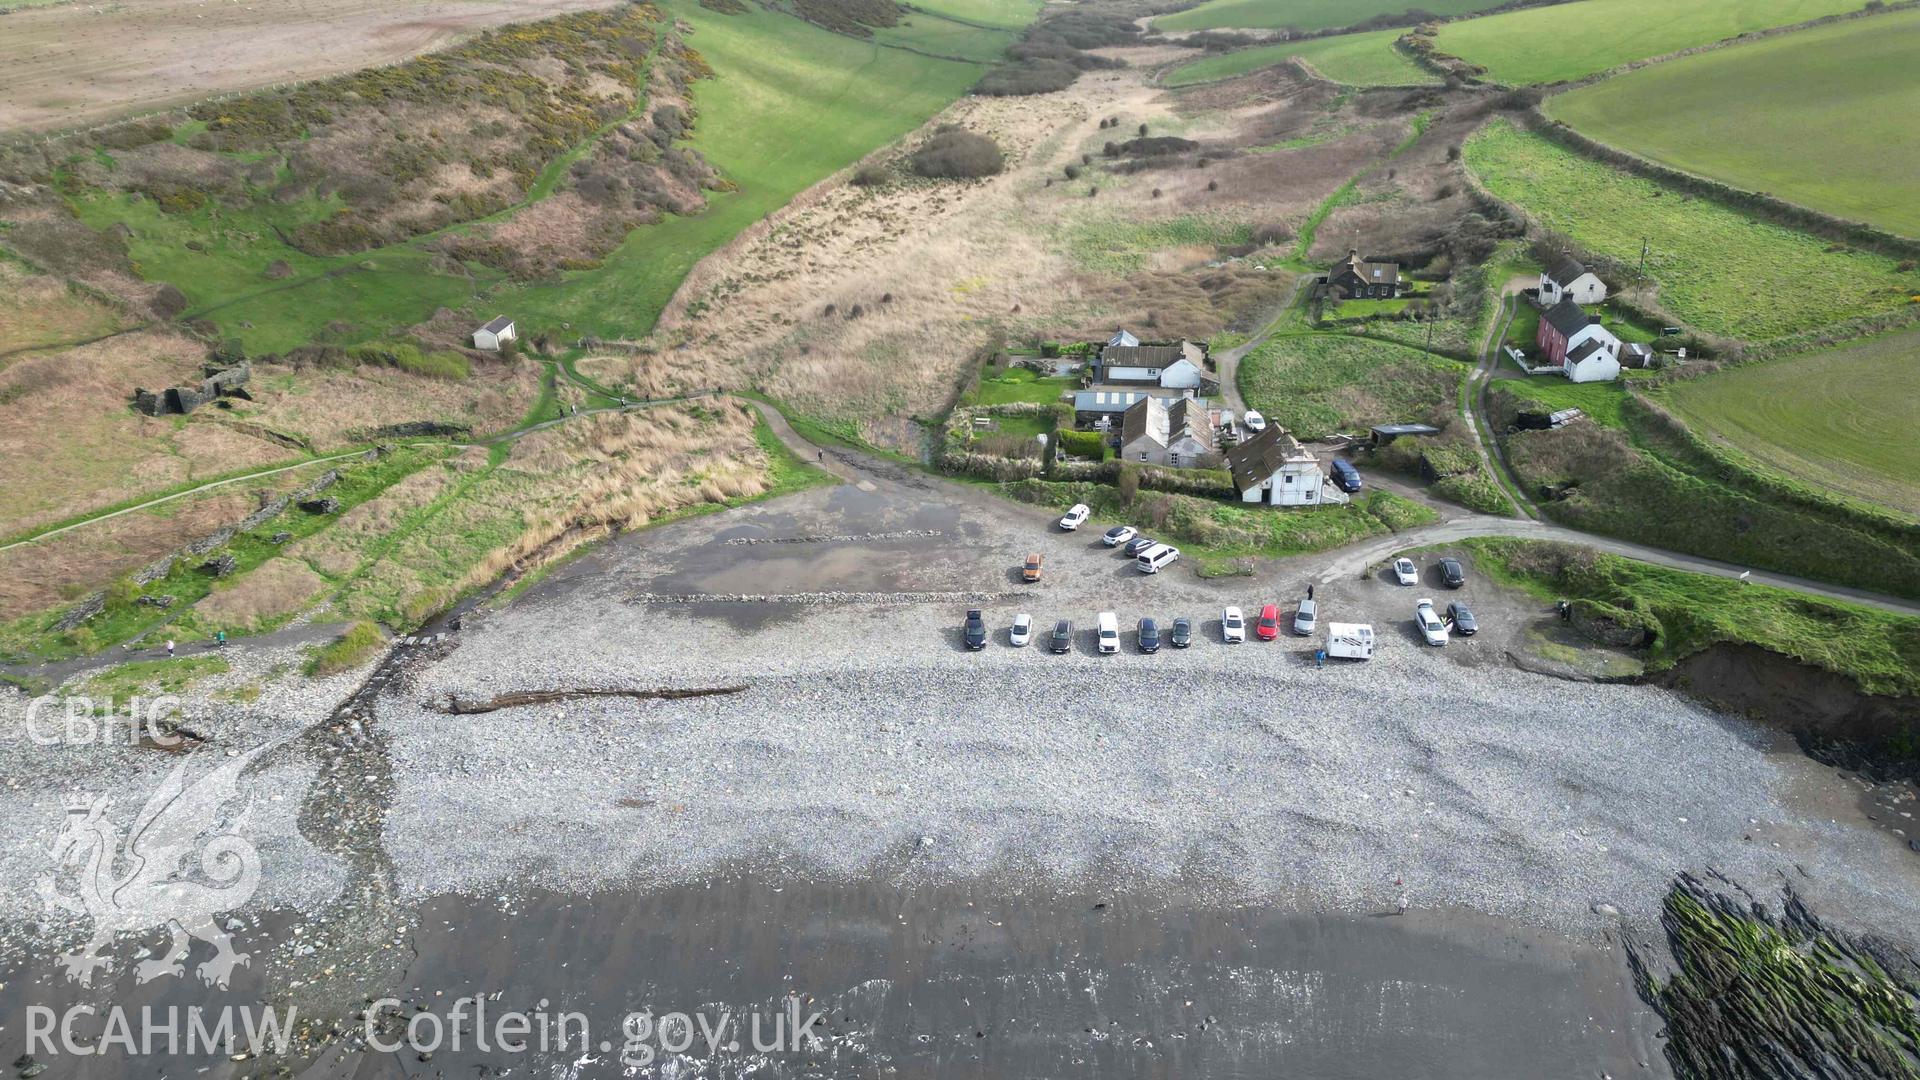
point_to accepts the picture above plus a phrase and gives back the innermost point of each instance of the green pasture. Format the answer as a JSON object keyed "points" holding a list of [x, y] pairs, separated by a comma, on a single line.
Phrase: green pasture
{"points": [[1843, 418], [1001, 14], [1720, 270], [1848, 93], [1316, 384], [1303, 14], [1353, 59], [1559, 42]]}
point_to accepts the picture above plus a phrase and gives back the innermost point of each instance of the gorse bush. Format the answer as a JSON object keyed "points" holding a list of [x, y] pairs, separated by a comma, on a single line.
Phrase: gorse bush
{"points": [[955, 153]]}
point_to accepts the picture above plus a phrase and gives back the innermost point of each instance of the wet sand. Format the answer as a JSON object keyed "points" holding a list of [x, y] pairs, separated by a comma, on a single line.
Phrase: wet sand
{"points": [[958, 981]]}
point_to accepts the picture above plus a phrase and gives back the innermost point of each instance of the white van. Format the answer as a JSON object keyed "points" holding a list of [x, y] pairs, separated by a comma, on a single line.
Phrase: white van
{"points": [[1151, 560], [1109, 632], [1350, 641]]}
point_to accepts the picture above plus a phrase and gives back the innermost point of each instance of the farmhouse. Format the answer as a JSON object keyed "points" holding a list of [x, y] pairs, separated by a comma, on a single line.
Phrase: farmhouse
{"points": [[1354, 278], [1566, 278], [495, 334], [1179, 367], [1272, 467], [1577, 345], [1179, 434]]}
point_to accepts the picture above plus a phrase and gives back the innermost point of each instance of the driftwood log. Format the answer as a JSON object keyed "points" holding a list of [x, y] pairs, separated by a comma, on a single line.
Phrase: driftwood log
{"points": [[456, 707]]}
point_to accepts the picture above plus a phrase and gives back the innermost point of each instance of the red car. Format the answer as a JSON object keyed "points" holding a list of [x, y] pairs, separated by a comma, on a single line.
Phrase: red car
{"points": [[1268, 626]]}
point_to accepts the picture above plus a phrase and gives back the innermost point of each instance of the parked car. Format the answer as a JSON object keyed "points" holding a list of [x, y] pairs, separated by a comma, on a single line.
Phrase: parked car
{"points": [[1062, 639], [1120, 534], [1022, 630], [1233, 626], [1405, 572], [1460, 617], [1345, 476], [1075, 516], [1156, 558], [1303, 618], [1429, 622], [975, 631], [1452, 573], [1268, 626], [1149, 636], [1139, 544], [1254, 421], [1030, 571], [1182, 635], [1109, 632]]}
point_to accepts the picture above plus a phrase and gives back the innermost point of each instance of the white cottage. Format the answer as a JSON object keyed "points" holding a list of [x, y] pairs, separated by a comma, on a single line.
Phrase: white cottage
{"points": [[494, 335], [1595, 359], [1272, 467], [1567, 278]]}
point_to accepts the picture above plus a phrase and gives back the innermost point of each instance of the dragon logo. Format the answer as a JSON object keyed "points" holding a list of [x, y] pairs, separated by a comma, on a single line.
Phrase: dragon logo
{"points": [[143, 884]]}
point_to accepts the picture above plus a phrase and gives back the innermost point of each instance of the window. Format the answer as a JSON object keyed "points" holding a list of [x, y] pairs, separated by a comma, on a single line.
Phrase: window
{"points": [[1288, 479], [1173, 459]]}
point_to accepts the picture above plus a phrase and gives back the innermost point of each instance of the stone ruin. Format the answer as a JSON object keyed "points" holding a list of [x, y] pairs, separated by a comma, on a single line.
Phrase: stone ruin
{"points": [[220, 382]]}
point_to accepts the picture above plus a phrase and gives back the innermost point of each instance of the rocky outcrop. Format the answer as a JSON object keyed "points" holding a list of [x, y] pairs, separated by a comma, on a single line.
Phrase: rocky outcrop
{"points": [[220, 382], [416, 429]]}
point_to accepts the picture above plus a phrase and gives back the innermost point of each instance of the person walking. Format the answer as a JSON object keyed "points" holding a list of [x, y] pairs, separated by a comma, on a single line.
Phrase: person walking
{"points": [[169, 648]]}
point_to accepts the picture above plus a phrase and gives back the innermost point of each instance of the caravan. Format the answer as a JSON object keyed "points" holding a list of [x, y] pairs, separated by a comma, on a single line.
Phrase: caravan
{"points": [[1351, 641]]}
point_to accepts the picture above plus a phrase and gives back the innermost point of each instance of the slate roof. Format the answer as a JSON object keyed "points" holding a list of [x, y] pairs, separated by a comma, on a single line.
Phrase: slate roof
{"points": [[1152, 356], [499, 323], [1373, 273], [1585, 349], [1168, 424], [1565, 269], [1567, 317], [1108, 401], [1123, 338], [1253, 462]]}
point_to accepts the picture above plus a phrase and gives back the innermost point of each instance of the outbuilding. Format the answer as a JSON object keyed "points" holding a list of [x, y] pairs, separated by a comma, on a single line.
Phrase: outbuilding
{"points": [[494, 335]]}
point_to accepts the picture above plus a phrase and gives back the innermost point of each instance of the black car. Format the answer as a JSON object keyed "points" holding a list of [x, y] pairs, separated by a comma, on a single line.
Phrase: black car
{"points": [[1461, 616], [1149, 636], [1182, 635], [1452, 574], [1062, 639], [1138, 545], [976, 630]]}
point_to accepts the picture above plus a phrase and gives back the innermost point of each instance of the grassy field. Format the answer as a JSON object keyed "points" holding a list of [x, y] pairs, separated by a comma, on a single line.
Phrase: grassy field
{"points": [[1600, 401], [1571, 41], [1721, 271], [1843, 418], [1003, 14], [1303, 14], [1354, 59], [1315, 384], [1848, 92], [776, 76], [950, 38], [1688, 612]]}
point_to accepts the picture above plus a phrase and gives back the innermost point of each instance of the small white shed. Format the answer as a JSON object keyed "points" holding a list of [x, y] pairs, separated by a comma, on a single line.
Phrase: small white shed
{"points": [[495, 334]]}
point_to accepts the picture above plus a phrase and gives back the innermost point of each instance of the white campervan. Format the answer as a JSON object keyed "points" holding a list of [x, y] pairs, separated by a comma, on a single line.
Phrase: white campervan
{"points": [[1151, 560], [1351, 641]]}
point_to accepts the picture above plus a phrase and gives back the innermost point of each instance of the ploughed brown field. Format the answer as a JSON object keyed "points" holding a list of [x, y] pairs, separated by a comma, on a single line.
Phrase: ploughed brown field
{"points": [[78, 63]]}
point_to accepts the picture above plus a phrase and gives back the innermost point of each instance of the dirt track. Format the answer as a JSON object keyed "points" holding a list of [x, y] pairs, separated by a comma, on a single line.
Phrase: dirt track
{"points": [[74, 64]]}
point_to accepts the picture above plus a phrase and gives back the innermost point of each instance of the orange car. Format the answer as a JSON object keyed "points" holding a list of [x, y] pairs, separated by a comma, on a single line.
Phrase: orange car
{"points": [[1030, 573]]}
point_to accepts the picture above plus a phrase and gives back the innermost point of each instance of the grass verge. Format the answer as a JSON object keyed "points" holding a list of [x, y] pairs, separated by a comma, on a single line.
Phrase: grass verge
{"points": [[1687, 612]]}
